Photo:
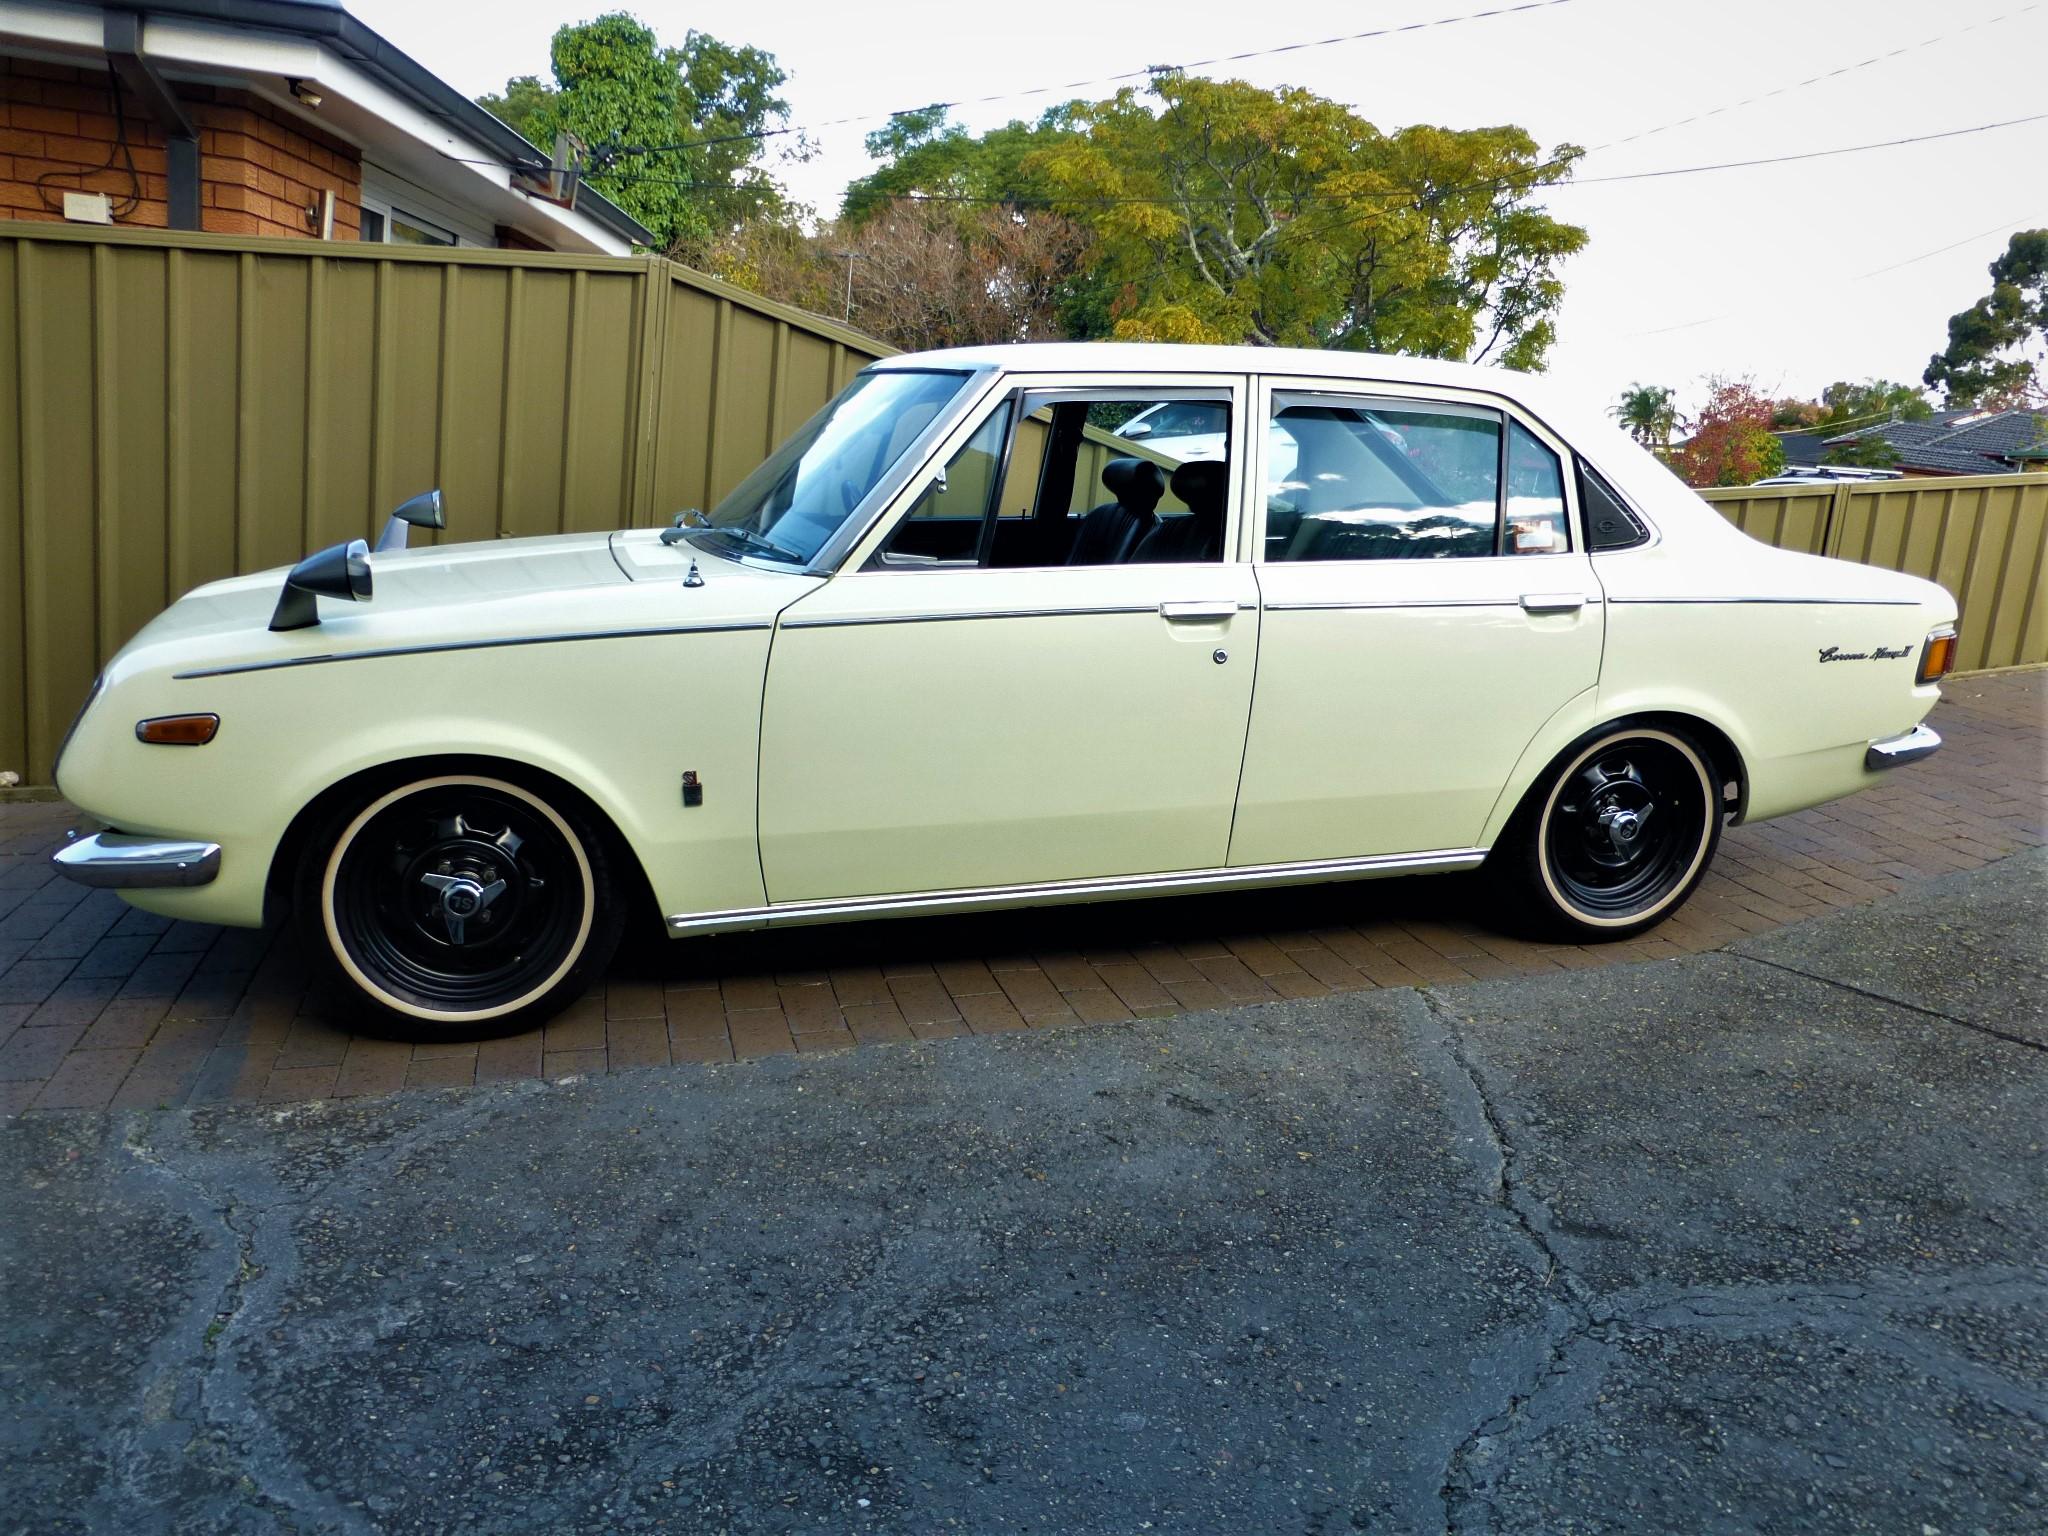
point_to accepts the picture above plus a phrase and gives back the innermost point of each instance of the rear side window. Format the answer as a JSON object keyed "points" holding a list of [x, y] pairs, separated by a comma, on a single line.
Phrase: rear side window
{"points": [[1609, 523]]}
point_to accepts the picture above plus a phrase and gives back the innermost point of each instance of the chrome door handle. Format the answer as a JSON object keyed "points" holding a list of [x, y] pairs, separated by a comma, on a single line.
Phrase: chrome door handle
{"points": [[1197, 612], [1553, 602]]}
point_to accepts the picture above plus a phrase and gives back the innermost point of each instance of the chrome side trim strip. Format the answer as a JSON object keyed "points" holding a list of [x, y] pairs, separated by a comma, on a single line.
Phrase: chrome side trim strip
{"points": [[1425, 602], [1908, 747], [1823, 602], [1053, 891], [119, 862], [863, 620], [474, 645]]}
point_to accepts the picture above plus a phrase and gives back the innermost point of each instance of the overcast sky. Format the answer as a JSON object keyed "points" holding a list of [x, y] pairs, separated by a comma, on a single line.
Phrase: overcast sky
{"points": [[1773, 271]]}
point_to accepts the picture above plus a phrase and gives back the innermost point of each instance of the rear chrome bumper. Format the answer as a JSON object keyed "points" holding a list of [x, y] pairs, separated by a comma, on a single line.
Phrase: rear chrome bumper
{"points": [[1915, 744], [118, 861]]}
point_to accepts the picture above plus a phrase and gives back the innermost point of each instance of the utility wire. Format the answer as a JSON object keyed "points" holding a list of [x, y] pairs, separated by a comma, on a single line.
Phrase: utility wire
{"points": [[1397, 193], [1939, 250], [1145, 73], [1825, 75]]}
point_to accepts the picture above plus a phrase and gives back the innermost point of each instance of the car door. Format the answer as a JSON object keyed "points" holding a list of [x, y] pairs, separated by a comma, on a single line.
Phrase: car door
{"points": [[1427, 606], [959, 709]]}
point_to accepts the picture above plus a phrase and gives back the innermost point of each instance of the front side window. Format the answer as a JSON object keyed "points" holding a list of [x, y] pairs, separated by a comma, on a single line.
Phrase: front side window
{"points": [[1349, 479], [797, 500], [1092, 479]]}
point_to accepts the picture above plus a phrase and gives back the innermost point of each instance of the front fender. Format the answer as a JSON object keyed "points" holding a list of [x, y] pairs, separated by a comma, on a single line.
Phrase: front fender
{"points": [[620, 719]]}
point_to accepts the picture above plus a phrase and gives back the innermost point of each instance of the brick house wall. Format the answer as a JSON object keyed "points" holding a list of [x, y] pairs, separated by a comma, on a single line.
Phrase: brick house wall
{"points": [[259, 168]]}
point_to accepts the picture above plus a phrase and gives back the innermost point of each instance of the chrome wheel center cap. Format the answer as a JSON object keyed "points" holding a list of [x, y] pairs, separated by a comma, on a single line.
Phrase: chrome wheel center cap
{"points": [[462, 899], [1622, 827]]}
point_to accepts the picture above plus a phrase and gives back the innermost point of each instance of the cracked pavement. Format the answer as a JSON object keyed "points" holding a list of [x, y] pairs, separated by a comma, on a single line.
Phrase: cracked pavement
{"points": [[1746, 1242]]}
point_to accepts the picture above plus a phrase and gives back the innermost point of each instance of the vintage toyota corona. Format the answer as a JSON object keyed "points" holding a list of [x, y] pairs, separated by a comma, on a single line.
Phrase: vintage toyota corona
{"points": [[960, 644]]}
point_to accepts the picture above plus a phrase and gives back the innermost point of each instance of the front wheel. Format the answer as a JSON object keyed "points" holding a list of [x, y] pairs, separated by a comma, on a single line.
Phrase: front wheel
{"points": [[1615, 836], [458, 905]]}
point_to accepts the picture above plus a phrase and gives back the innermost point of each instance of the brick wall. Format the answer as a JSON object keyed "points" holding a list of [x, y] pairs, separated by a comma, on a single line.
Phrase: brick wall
{"points": [[259, 167]]}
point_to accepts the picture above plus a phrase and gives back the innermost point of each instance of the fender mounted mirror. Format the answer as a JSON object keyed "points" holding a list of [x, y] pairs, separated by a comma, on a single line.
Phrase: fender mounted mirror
{"points": [[421, 511], [340, 571]]}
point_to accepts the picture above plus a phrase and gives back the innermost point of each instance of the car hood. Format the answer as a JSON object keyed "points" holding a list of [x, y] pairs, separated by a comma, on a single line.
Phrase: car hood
{"points": [[509, 590]]}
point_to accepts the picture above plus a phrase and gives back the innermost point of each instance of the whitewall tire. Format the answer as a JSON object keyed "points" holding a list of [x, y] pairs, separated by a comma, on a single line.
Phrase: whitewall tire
{"points": [[453, 905]]}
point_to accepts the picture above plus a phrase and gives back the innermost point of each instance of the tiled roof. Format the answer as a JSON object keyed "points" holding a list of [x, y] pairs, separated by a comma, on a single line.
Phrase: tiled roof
{"points": [[1962, 442], [1950, 461]]}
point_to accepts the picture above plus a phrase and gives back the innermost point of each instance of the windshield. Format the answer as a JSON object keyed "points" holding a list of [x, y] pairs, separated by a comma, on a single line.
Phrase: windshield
{"points": [[792, 504]]}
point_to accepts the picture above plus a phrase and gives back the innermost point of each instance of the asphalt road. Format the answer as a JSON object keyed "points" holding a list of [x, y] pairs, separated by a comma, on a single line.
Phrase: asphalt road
{"points": [[1752, 1242]]}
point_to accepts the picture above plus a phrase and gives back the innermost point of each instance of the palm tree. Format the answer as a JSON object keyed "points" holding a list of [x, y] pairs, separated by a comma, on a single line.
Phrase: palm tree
{"points": [[1646, 410]]}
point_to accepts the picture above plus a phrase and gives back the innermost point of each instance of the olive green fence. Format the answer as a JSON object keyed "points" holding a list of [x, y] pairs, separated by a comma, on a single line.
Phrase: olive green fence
{"points": [[1984, 537], [179, 407]]}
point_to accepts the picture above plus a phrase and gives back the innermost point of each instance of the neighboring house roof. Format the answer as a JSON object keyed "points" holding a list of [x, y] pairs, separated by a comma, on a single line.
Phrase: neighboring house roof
{"points": [[1970, 442], [1803, 447], [403, 112]]}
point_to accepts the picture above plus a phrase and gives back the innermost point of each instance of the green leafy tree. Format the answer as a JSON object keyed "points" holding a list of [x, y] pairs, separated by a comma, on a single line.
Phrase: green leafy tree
{"points": [[617, 89], [1649, 414], [1873, 399], [1731, 443], [1865, 451], [1226, 212], [520, 104], [1995, 353]]}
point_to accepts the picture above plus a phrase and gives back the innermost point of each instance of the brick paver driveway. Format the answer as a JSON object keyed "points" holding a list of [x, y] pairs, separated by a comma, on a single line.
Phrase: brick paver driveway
{"points": [[101, 1006]]}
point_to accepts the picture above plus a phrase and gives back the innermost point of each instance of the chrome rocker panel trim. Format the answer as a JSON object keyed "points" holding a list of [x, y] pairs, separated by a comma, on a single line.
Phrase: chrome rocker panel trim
{"points": [[1053, 892], [1908, 747], [121, 862]]}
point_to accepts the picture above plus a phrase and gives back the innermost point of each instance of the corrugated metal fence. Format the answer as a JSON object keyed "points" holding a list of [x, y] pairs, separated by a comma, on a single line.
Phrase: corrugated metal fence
{"points": [[1984, 537], [175, 408]]}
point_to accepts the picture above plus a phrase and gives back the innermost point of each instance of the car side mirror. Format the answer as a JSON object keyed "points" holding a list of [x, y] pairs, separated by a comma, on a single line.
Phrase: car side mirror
{"points": [[1135, 429], [339, 571], [421, 511]]}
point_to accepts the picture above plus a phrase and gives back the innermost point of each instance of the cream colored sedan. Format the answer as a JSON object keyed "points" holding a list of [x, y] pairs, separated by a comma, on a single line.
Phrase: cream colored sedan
{"points": [[962, 644]]}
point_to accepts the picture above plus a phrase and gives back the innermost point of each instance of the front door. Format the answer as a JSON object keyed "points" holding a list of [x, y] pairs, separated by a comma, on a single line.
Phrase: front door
{"points": [[964, 708], [1427, 608]]}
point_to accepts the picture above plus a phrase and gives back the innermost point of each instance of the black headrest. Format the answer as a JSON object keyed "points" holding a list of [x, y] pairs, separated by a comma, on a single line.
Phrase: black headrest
{"points": [[1137, 483], [1201, 483]]}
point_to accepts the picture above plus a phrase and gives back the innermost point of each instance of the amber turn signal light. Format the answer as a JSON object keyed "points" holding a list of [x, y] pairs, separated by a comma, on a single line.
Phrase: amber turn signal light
{"points": [[178, 730], [1938, 656]]}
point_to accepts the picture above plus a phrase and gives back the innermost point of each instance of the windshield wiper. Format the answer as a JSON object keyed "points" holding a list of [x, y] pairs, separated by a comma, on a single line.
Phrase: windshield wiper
{"points": [[762, 542]]}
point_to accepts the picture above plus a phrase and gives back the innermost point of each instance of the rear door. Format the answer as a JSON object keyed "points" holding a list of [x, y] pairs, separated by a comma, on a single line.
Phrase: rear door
{"points": [[1427, 606], [960, 709]]}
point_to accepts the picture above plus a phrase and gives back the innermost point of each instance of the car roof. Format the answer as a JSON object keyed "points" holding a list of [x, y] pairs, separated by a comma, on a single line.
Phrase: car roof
{"points": [[1175, 357]]}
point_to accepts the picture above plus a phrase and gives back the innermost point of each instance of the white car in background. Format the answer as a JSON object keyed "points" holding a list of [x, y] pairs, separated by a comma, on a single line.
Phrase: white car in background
{"points": [[979, 636]]}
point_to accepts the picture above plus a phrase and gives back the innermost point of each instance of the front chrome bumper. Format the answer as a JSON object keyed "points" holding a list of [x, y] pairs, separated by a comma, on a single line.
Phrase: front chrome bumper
{"points": [[118, 861], [1915, 744]]}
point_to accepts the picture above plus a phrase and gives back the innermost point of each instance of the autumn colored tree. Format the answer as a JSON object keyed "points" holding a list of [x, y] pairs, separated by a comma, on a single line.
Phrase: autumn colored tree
{"points": [[918, 275], [1997, 353], [1731, 442]]}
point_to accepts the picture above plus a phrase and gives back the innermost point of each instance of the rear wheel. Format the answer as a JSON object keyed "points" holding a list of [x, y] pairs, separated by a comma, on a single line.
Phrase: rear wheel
{"points": [[1616, 836], [459, 905]]}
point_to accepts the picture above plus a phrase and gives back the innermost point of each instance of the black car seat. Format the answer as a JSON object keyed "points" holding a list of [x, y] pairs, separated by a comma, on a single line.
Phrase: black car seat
{"points": [[1203, 485], [1111, 531]]}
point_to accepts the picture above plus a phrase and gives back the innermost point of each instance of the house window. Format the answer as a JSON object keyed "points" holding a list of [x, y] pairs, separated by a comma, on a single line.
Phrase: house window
{"points": [[394, 226]]}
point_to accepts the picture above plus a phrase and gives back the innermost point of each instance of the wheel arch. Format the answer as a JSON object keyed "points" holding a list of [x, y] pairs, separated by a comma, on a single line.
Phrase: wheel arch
{"points": [[1563, 733], [641, 908]]}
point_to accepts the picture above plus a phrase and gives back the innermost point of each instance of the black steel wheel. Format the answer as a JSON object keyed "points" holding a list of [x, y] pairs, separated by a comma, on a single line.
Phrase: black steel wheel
{"points": [[460, 904], [1618, 833]]}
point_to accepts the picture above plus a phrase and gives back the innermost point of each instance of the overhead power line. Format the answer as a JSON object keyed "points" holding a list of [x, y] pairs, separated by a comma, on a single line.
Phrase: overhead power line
{"points": [[1821, 78], [1145, 73], [1939, 250], [1398, 193]]}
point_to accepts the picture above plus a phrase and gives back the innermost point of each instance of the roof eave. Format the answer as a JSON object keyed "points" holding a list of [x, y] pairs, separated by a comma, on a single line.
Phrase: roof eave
{"points": [[371, 51]]}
